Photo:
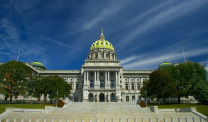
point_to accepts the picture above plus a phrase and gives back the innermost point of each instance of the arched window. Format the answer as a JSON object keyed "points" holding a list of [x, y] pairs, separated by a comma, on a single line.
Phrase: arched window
{"points": [[113, 97]]}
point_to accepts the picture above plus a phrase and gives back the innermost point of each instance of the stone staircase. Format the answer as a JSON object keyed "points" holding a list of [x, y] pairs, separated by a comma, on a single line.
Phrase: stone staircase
{"points": [[97, 112]]}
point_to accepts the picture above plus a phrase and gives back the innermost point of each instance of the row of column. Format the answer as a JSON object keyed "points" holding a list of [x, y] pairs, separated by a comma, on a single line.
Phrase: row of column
{"points": [[97, 79]]}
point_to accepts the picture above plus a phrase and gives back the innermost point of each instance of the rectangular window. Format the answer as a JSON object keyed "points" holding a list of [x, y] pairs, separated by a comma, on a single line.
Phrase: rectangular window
{"points": [[132, 86], [138, 86], [77, 86], [111, 74], [126, 86], [112, 84], [127, 98], [91, 74], [91, 84], [101, 83]]}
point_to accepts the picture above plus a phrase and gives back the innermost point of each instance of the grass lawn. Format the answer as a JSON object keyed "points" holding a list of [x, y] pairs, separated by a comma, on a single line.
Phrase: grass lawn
{"points": [[28, 106], [200, 108]]}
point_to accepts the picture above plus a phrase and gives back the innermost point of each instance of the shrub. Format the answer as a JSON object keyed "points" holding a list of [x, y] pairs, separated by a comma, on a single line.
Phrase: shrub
{"points": [[60, 103], [142, 104]]}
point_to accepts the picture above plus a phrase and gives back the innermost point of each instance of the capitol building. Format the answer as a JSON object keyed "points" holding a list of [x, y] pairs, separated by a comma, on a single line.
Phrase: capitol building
{"points": [[101, 77]]}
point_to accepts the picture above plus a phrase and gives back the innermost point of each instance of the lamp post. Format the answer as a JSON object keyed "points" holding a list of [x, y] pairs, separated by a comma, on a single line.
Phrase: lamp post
{"points": [[57, 99], [146, 97]]}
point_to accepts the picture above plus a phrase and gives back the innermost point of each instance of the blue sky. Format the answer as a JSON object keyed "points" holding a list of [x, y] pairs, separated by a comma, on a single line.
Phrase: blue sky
{"points": [[144, 33]]}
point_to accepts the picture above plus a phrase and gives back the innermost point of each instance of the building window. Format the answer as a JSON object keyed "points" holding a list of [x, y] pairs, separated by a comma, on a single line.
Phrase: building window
{"points": [[101, 74], [138, 86], [91, 74], [91, 84], [71, 79], [120, 81], [112, 84], [77, 86], [127, 87], [111, 74], [132, 79], [126, 79], [138, 80], [101, 83], [132, 86], [127, 98]]}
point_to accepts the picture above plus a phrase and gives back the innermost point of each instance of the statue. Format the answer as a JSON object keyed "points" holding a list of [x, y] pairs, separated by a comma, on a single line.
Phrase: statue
{"points": [[85, 94], [118, 94]]}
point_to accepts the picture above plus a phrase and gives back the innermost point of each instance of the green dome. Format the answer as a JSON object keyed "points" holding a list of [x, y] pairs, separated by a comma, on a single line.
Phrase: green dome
{"points": [[38, 65], [102, 43], [165, 64]]}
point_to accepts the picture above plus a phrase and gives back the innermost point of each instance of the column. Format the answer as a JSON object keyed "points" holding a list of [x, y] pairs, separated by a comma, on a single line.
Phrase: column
{"points": [[98, 80], [109, 97], [84, 77], [87, 78], [129, 82], [106, 80], [119, 78], [94, 78], [135, 85], [116, 78]]}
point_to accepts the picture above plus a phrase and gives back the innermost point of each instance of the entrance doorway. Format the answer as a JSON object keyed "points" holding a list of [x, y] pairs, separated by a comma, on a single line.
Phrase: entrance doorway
{"points": [[113, 97], [102, 97], [90, 97]]}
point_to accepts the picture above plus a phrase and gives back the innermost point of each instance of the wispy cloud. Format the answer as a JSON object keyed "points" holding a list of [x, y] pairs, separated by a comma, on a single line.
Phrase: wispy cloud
{"points": [[103, 13], [161, 17], [153, 61]]}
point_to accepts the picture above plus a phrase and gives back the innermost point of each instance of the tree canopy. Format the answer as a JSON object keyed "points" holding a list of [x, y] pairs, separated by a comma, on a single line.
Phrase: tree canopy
{"points": [[186, 76], [13, 76], [159, 85]]}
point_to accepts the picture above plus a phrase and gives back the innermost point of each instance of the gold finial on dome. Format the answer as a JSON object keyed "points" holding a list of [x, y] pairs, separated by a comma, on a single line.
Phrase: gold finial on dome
{"points": [[102, 31], [102, 36]]}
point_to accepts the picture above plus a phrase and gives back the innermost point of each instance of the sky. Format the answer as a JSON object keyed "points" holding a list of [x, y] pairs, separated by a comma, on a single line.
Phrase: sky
{"points": [[144, 33]]}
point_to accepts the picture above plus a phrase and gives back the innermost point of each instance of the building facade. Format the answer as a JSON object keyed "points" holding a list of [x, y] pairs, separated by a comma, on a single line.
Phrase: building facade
{"points": [[101, 77]]}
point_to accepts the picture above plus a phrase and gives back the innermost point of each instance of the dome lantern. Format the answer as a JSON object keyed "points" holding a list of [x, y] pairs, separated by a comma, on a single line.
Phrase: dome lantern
{"points": [[102, 43]]}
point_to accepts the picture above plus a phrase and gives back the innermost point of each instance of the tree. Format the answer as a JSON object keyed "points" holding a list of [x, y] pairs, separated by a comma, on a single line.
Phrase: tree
{"points": [[186, 76], [202, 92], [50, 85], [13, 76], [160, 85]]}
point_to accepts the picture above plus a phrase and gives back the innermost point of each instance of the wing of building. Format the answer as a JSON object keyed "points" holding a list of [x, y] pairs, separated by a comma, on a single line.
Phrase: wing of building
{"points": [[101, 77]]}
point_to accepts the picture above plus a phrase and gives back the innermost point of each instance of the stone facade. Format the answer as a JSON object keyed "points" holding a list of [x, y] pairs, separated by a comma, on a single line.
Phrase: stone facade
{"points": [[101, 78]]}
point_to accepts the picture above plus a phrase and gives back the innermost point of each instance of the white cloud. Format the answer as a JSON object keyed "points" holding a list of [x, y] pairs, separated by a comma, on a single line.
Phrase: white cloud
{"points": [[129, 59], [105, 12], [162, 17], [153, 60]]}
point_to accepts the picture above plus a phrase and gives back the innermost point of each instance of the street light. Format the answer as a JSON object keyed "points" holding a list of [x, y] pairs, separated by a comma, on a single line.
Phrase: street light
{"points": [[146, 97], [57, 99]]}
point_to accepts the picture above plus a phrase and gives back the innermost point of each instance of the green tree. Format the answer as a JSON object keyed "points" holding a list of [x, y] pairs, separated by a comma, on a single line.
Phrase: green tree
{"points": [[51, 84], [186, 76], [13, 76], [159, 85], [202, 92]]}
